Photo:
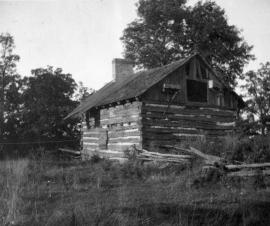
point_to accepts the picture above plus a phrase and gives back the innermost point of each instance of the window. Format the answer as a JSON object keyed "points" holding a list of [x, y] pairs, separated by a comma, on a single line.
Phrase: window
{"points": [[187, 69], [93, 118], [204, 73], [220, 99], [196, 91]]}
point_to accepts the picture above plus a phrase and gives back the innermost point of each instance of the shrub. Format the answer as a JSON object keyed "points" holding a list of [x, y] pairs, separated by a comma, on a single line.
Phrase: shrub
{"points": [[254, 149], [95, 158]]}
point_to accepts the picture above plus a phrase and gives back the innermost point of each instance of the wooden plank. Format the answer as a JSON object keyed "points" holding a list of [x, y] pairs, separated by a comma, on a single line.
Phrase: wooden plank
{"points": [[69, 151], [128, 127], [90, 139], [124, 140], [114, 120], [192, 111], [111, 154], [176, 116], [250, 166], [209, 159], [124, 112], [122, 146], [172, 118], [124, 133], [249, 173], [96, 135], [163, 124], [156, 154], [167, 131]]}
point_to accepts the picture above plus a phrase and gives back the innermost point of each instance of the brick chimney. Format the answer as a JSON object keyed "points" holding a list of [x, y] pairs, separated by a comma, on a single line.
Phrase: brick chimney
{"points": [[121, 69]]}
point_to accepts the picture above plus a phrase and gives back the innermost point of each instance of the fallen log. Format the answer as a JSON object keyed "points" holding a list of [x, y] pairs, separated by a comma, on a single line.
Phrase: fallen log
{"points": [[69, 151], [159, 157], [156, 154], [208, 159], [249, 173], [247, 166]]}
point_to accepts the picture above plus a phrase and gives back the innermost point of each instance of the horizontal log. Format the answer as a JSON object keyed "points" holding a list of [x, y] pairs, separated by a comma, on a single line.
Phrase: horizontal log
{"points": [[165, 160], [93, 139], [122, 113], [209, 159], [167, 130], [152, 144], [184, 123], [192, 111], [69, 151], [124, 140], [227, 124], [135, 125], [121, 109], [111, 154], [128, 144], [156, 154], [248, 166], [173, 138], [249, 173], [121, 148], [114, 120], [124, 133], [177, 116], [179, 120], [96, 135]]}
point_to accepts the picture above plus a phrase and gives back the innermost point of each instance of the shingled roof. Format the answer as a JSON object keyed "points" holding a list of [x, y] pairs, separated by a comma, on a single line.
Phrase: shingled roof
{"points": [[134, 86]]}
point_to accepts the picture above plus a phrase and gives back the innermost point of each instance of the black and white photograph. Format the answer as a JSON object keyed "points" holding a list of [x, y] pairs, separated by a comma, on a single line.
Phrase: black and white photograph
{"points": [[134, 113]]}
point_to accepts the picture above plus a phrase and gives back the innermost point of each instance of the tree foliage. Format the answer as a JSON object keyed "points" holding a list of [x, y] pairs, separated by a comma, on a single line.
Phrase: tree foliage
{"points": [[168, 30], [257, 87], [83, 92], [47, 100], [10, 89]]}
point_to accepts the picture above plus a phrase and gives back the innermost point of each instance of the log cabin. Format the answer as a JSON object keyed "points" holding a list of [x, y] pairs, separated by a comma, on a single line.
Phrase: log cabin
{"points": [[179, 102]]}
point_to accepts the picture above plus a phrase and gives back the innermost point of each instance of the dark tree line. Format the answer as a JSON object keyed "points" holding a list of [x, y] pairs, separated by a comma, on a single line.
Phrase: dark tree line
{"points": [[33, 107]]}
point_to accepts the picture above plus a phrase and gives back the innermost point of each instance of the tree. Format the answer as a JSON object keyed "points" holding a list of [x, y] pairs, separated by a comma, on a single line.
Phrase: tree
{"points": [[48, 99], [168, 30], [83, 92], [11, 83], [257, 86]]}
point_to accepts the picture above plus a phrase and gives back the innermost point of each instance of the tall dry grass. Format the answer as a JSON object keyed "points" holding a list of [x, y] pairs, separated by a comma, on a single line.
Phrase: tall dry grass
{"points": [[13, 175], [44, 191]]}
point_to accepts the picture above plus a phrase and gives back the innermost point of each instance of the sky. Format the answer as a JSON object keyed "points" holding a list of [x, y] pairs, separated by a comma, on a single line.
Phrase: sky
{"points": [[82, 37]]}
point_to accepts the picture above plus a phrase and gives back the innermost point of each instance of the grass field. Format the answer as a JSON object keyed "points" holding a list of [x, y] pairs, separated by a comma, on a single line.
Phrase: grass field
{"points": [[45, 191]]}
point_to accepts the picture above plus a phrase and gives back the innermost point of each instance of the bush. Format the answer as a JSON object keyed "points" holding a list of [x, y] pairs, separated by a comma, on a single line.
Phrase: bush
{"points": [[95, 158], [250, 150]]}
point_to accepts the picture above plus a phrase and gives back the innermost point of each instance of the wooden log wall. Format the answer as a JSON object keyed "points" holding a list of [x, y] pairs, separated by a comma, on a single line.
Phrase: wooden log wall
{"points": [[120, 127], [183, 124]]}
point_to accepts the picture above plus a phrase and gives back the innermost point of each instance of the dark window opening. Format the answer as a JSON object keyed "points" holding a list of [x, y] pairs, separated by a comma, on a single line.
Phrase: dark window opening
{"points": [[92, 118], [196, 91], [87, 119], [187, 69], [97, 118], [204, 73], [198, 72]]}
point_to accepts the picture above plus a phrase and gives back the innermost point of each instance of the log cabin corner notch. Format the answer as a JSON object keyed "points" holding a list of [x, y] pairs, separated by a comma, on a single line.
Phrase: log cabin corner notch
{"points": [[184, 100]]}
